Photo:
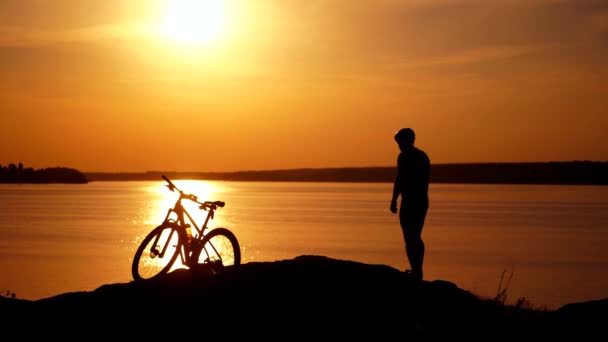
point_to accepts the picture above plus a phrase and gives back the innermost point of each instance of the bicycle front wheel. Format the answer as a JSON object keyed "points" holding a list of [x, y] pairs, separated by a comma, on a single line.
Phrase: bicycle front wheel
{"points": [[156, 253], [219, 248]]}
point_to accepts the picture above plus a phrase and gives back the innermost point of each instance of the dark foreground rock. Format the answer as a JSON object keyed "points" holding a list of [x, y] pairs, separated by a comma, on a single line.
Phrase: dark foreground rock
{"points": [[309, 296]]}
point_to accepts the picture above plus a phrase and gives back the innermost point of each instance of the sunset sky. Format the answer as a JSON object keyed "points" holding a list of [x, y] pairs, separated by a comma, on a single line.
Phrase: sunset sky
{"points": [[115, 85]]}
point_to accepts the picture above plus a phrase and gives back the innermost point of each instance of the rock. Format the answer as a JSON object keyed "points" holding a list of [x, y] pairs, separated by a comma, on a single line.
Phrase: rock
{"points": [[305, 296]]}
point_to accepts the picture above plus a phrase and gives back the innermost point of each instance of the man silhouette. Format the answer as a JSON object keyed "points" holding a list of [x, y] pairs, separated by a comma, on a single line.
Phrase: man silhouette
{"points": [[412, 184]]}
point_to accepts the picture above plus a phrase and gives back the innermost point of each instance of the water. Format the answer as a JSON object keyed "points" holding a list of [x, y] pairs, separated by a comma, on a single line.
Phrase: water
{"points": [[549, 243]]}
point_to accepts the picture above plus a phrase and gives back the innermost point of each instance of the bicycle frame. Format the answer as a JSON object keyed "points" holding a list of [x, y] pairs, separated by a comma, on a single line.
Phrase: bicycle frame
{"points": [[182, 214]]}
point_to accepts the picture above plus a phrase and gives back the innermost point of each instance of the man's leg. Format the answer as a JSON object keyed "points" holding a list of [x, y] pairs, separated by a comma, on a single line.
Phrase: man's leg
{"points": [[412, 222]]}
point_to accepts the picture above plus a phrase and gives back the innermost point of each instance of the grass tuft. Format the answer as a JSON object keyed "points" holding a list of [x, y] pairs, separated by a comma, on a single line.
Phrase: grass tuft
{"points": [[8, 294]]}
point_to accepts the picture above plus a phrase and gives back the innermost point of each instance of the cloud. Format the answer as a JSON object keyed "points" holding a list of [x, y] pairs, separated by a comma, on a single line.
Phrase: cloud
{"points": [[42, 22], [28, 37], [471, 56], [599, 23]]}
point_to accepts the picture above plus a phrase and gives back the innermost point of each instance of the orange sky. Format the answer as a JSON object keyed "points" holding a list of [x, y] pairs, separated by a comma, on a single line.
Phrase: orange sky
{"points": [[98, 86]]}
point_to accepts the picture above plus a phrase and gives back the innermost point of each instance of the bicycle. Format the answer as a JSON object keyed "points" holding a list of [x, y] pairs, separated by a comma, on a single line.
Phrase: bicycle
{"points": [[213, 247]]}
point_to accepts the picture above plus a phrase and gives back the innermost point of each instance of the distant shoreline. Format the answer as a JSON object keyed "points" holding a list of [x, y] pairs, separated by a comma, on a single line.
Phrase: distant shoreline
{"points": [[17, 174], [548, 173]]}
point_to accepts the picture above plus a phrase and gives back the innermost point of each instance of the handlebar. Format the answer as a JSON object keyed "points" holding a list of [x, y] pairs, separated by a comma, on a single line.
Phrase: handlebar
{"points": [[202, 205], [171, 186]]}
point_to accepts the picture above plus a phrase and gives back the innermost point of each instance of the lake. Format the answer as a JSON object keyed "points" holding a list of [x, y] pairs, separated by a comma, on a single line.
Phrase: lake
{"points": [[548, 243]]}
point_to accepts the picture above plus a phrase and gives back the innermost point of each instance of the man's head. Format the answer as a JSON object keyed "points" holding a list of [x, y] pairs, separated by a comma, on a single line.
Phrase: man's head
{"points": [[405, 137]]}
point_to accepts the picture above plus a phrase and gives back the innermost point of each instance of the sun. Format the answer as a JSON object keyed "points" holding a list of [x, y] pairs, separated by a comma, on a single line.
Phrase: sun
{"points": [[193, 21]]}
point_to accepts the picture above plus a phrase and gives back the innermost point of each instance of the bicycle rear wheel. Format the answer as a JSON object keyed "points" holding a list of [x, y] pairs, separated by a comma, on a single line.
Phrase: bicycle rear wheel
{"points": [[220, 248], [157, 252]]}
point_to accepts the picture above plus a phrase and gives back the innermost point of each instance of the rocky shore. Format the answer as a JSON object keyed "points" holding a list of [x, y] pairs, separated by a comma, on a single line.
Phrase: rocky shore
{"points": [[302, 297]]}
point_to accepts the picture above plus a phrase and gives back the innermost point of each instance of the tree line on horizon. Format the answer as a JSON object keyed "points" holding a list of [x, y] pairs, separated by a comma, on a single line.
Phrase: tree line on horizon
{"points": [[16, 173]]}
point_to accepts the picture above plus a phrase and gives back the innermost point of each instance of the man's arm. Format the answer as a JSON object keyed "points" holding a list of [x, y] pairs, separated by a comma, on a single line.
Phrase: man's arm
{"points": [[395, 196], [427, 169], [396, 190]]}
